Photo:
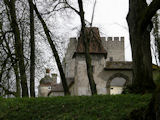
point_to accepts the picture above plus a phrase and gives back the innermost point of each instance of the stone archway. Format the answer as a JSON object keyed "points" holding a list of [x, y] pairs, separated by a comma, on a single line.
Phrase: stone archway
{"points": [[116, 75]]}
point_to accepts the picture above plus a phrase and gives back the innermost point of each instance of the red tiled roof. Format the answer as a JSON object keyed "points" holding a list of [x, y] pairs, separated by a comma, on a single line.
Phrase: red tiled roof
{"points": [[96, 46], [59, 87]]}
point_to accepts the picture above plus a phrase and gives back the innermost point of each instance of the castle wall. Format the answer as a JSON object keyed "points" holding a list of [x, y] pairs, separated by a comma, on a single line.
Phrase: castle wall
{"points": [[106, 75], [101, 76], [72, 90], [114, 47], [81, 84], [69, 62], [77, 67]]}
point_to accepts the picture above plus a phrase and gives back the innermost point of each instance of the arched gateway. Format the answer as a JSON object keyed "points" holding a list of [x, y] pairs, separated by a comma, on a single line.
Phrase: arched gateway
{"points": [[116, 83]]}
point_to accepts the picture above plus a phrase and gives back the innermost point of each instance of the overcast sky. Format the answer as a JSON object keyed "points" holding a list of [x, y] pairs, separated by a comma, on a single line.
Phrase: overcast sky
{"points": [[110, 17]]}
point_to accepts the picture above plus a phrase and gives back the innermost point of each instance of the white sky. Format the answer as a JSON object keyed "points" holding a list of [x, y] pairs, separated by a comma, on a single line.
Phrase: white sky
{"points": [[110, 16]]}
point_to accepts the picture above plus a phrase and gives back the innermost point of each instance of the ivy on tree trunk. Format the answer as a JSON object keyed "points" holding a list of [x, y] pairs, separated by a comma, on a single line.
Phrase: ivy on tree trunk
{"points": [[140, 26]]}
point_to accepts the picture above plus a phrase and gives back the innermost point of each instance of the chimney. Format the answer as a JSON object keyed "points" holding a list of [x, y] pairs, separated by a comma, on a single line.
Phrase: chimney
{"points": [[54, 77], [47, 71]]}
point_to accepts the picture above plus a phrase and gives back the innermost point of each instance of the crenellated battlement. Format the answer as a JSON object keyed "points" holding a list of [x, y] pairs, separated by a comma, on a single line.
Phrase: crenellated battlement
{"points": [[115, 39], [116, 43], [114, 47]]}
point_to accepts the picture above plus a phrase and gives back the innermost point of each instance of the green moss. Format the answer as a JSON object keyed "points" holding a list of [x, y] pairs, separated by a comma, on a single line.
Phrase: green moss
{"points": [[115, 107], [157, 80]]}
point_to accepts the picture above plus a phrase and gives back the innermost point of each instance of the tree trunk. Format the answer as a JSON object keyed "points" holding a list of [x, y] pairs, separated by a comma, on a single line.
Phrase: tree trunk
{"points": [[32, 55], [139, 21], [86, 45], [46, 30], [140, 45], [18, 47], [16, 71], [14, 65]]}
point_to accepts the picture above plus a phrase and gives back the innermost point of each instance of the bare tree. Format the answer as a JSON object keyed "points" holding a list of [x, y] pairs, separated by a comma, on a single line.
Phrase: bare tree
{"points": [[18, 46], [7, 59], [50, 41]]}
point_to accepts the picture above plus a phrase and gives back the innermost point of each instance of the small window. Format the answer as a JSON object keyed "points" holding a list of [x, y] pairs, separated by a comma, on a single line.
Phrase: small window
{"points": [[49, 88], [110, 58]]}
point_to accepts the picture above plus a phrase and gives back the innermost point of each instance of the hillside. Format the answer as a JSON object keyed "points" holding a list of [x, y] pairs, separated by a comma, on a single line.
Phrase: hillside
{"points": [[114, 107]]}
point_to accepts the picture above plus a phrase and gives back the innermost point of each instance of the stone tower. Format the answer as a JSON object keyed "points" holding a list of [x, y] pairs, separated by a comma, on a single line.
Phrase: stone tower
{"points": [[46, 84], [101, 50], [115, 48], [98, 55], [69, 61]]}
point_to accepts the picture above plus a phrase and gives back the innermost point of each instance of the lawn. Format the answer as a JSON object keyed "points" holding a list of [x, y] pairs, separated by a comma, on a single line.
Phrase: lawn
{"points": [[100, 107]]}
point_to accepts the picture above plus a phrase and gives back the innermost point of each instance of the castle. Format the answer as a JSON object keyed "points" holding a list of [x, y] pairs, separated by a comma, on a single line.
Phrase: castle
{"points": [[110, 70]]}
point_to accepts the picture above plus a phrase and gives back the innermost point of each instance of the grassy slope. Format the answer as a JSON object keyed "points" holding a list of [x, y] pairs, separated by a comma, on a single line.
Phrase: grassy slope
{"points": [[106, 107]]}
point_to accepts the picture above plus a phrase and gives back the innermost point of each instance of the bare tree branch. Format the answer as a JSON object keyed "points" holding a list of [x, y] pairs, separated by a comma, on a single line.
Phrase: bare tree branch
{"points": [[93, 13], [7, 92], [55, 52]]}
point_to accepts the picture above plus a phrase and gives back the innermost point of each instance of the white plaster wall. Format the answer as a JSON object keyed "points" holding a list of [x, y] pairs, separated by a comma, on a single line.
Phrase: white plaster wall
{"points": [[69, 60], [81, 80], [116, 90], [43, 91], [99, 62], [57, 94]]}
